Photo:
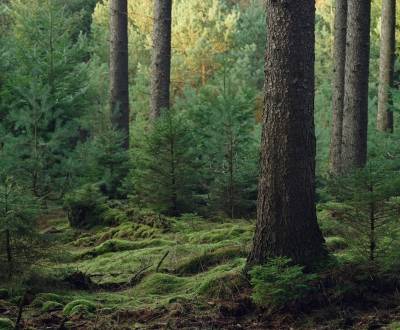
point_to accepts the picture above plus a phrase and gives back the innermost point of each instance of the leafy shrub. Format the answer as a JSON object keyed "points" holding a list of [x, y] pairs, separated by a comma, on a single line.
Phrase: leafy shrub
{"points": [[85, 206], [278, 283]]}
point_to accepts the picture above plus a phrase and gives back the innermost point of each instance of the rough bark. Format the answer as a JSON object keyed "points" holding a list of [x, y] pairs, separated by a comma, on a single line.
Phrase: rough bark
{"points": [[355, 113], [386, 65], [286, 215], [161, 58], [119, 76], [339, 60]]}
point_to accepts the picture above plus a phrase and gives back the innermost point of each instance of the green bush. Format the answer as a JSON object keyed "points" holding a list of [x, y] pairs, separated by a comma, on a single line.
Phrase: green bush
{"points": [[278, 283], [85, 206]]}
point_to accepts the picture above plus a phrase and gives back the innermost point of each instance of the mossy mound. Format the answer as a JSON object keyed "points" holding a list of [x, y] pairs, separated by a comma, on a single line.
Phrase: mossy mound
{"points": [[226, 232], [224, 286], [50, 306], [162, 284], [6, 324], [118, 245], [42, 298], [79, 306], [201, 263], [125, 231]]}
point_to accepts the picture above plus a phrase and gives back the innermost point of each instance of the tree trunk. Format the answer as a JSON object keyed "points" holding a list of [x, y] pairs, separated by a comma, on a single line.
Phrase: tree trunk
{"points": [[355, 113], [339, 60], [286, 215], [161, 60], [386, 65], [119, 77]]}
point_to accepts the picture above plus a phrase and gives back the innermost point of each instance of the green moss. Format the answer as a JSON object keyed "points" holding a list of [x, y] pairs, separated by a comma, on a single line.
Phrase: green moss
{"points": [[233, 233], [336, 243], [162, 284], [41, 298], [202, 262], [50, 306], [80, 306], [394, 326], [223, 286], [6, 324], [118, 245]]}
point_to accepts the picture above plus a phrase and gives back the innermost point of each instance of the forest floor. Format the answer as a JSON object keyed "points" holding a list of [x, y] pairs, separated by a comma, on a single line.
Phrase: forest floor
{"points": [[181, 274]]}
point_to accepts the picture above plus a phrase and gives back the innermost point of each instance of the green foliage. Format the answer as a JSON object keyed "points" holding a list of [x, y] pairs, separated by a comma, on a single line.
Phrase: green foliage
{"points": [[85, 206], [279, 283], [102, 160], [336, 243], [366, 204], [164, 166], [40, 116], [18, 213]]}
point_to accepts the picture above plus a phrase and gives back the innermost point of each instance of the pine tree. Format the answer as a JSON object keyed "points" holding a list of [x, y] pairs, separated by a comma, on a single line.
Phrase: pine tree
{"points": [[339, 59], [18, 212], [286, 215], [355, 113], [386, 66], [164, 169], [41, 116], [161, 57], [119, 74]]}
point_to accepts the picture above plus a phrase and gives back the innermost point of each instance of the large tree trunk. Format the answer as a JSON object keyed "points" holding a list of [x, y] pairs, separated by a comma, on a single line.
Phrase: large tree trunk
{"points": [[286, 215], [161, 59], [386, 65], [119, 77], [355, 113], [339, 61]]}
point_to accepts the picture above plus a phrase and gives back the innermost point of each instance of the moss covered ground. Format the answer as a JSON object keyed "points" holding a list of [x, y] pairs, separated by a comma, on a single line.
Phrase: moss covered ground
{"points": [[135, 275]]}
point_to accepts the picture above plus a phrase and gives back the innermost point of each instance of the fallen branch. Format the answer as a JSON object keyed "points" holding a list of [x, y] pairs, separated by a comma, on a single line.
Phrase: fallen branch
{"points": [[161, 261]]}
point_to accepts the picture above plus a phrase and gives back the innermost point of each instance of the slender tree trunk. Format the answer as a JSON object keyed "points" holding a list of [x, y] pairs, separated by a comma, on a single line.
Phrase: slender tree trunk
{"points": [[355, 113], [161, 60], [286, 215], [372, 236], [386, 65], [119, 76], [339, 60]]}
